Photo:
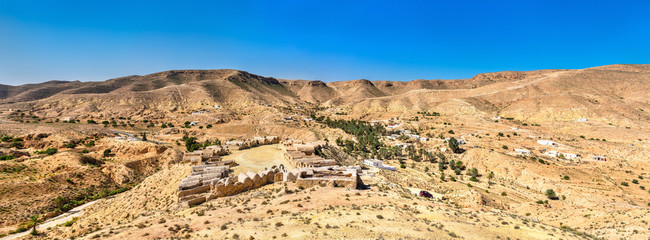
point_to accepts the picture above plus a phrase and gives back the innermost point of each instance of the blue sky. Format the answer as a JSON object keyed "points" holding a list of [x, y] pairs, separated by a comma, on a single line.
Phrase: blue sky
{"points": [[316, 40]]}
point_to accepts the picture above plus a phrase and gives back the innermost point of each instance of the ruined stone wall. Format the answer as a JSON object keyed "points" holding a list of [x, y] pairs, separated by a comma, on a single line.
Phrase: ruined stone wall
{"points": [[193, 193]]}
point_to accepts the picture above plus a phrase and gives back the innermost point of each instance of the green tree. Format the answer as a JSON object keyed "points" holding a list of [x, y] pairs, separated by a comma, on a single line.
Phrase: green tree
{"points": [[453, 145], [34, 222], [144, 136], [107, 152], [191, 144]]}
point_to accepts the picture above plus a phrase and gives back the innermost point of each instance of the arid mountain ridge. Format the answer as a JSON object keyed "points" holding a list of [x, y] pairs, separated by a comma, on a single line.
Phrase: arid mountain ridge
{"points": [[611, 92], [154, 81]]}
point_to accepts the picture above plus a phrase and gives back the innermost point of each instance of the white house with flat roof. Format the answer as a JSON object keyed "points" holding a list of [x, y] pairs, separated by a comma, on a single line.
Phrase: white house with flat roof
{"points": [[378, 164], [522, 151], [546, 142]]}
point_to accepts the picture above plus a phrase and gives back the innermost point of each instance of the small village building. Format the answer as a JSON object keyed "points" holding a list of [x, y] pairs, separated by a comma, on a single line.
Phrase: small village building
{"points": [[570, 155], [199, 112], [68, 119], [547, 142], [522, 151], [393, 126], [582, 120], [552, 153], [372, 162], [378, 164], [599, 158]]}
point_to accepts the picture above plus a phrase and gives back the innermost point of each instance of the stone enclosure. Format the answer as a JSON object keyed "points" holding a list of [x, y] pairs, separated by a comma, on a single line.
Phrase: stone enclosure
{"points": [[210, 179]]}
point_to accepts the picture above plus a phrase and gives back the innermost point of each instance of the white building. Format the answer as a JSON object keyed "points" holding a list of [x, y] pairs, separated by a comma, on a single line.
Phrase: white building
{"points": [[372, 162], [546, 142], [199, 112], [522, 151], [394, 126], [582, 120], [552, 153], [570, 155], [378, 164], [68, 119]]}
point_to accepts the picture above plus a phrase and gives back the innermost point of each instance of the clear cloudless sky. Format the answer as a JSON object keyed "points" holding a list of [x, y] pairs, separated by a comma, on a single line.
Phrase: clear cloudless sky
{"points": [[317, 40]]}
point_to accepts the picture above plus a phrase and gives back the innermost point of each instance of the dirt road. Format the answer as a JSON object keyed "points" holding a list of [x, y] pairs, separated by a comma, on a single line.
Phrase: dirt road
{"points": [[50, 223]]}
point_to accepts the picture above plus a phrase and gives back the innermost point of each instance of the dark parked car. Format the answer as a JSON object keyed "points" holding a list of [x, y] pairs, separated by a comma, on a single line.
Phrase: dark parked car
{"points": [[425, 194]]}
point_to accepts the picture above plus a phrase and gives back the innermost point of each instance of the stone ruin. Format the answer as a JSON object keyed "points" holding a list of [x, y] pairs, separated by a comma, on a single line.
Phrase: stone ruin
{"points": [[253, 142], [211, 154], [333, 176], [209, 182], [211, 179], [302, 155]]}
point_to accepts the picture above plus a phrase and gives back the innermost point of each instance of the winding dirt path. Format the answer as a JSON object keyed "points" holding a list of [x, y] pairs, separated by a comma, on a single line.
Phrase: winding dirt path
{"points": [[53, 222]]}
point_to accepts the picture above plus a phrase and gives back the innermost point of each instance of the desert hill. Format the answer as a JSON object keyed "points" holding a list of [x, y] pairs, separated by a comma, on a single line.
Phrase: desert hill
{"points": [[613, 93]]}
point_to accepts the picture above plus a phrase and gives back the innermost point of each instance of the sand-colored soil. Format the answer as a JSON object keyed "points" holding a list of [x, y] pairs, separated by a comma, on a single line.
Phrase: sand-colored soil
{"points": [[256, 159]]}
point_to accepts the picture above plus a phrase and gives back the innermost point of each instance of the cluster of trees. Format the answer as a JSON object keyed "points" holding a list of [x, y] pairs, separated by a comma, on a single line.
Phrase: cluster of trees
{"points": [[367, 135], [427, 113], [457, 167], [419, 154], [191, 144], [13, 142]]}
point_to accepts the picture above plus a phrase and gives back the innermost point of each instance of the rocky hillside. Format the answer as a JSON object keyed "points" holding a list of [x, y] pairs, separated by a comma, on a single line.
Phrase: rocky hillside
{"points": [[615, 93]]}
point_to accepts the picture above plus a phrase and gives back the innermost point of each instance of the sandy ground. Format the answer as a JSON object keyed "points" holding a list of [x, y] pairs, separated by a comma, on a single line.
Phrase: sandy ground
{"points": [[258, 158]]}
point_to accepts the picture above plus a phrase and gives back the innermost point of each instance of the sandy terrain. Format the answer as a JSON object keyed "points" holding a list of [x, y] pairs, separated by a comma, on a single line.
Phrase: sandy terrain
{"points": [[256, 159]]}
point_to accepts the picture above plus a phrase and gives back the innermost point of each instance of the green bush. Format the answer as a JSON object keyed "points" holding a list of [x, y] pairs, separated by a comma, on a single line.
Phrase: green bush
{"points": [[16, 145], [72, 221], [551, 194], [90, 160], [49, 151], [107, 152]]}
